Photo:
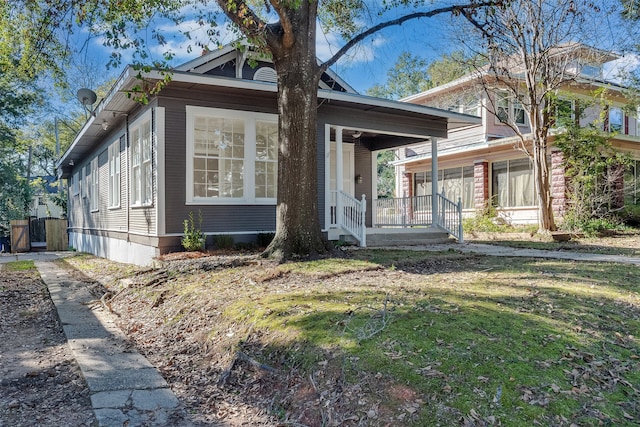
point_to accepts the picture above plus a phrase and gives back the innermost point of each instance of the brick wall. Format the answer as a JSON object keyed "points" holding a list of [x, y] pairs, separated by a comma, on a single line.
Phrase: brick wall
{"points": [[407, 185]]}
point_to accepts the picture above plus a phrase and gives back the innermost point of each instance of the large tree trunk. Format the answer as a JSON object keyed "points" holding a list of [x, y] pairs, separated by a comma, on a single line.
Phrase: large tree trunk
{"points": [[298, 229]]}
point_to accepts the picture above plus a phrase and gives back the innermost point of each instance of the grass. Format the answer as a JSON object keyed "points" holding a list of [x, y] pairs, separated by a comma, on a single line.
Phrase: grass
{"points": [[20, 266], [481, 340]]}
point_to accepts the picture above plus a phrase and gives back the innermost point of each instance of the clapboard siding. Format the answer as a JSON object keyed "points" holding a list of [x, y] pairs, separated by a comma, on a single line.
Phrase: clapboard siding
{"points": [[363, 168], [215, 218]]}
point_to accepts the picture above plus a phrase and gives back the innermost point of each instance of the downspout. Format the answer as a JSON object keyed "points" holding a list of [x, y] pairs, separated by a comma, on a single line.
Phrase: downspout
{"points": [[339, 177], [128, 181]]}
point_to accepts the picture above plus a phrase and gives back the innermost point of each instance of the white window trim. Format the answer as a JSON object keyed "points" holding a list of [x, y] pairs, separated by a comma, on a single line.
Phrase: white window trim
{"points": [[144, 199], [250, 119], [511, 107], [115, 174], [623, 115], [75, 184], [94, 186]]}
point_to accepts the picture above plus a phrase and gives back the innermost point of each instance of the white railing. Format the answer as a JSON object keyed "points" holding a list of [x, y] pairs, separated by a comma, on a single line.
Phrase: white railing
{"points": [[403, 212], [449, 217], [348, 213], [417, 212]]}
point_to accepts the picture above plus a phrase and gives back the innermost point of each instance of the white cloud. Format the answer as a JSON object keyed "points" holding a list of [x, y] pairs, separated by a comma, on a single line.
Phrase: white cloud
{"points": [[364, 52]]}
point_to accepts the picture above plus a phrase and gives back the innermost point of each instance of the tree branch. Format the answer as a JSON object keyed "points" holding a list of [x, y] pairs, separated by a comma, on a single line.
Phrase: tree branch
{"points": [[457, 9], [243, 16], [288, 38]]}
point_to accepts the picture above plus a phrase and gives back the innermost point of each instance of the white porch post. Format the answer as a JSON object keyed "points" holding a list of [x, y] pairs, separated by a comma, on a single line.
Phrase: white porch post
{"points": [[434, 183], [327, 176], [339, 173]]}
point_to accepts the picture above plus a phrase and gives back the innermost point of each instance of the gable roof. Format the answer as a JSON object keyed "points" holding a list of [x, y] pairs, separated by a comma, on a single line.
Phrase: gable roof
{"points": [[236, 55]]}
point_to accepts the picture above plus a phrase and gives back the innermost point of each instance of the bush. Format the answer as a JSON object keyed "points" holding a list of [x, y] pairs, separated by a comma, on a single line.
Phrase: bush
{"points": [[223, 241], [590, 227], [486, 220], [194, 238]]}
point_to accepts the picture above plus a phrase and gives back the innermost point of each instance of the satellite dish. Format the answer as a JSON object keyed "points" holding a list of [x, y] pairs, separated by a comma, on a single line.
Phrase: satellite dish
{"points": [[86, 96]]}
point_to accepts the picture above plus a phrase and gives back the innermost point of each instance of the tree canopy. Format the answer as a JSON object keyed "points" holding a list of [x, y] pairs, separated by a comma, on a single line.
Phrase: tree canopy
{"points": [[286, 31]]}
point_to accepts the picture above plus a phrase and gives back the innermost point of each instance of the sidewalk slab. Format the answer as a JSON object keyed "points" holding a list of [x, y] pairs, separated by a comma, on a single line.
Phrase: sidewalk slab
{"points": [[125, 388]]}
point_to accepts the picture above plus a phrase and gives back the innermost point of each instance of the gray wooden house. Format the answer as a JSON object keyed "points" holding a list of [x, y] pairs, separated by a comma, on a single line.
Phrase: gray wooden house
{"points": [[207, 143]]}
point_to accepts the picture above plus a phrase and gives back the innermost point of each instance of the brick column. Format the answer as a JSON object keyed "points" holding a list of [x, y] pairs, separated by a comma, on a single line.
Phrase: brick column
{"points": [[407, 185], [559, 184], [481, 184]]}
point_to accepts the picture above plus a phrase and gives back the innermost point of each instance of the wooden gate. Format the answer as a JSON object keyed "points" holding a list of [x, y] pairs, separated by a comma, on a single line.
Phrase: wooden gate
{"points": [[20, 235], [57, 237]]}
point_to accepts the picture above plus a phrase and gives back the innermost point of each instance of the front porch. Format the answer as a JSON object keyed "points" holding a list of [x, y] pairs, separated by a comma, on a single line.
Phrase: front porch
{"points": [[405, 221], [371, 221]]}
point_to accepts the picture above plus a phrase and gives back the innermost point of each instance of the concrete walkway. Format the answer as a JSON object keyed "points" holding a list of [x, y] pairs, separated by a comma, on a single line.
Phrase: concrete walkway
{"points": [[495, 250], [126, 390]]}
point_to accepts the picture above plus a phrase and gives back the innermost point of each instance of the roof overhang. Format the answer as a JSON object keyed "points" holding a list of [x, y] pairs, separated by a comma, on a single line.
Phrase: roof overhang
{"points": [[117, 105]]}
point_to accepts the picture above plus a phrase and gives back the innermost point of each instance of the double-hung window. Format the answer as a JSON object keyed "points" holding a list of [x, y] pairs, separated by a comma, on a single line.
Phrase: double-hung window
{"points": [[616, 120], [75, 184], [509, 109], [232, 156], [141, 166], [114, 174], [564, 112], [94, 185]]}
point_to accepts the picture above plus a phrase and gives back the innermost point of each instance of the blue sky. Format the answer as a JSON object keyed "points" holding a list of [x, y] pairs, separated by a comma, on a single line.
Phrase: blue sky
{"points": [[363, 66]]}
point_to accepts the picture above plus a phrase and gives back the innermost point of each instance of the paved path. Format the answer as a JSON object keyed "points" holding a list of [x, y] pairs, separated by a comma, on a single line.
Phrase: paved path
{"points": [[34, 256], [126, 390], [495, 250]]}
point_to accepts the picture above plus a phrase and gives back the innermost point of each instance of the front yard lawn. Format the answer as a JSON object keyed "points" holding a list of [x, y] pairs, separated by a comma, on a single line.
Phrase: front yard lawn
{"points": [[393, 337]]}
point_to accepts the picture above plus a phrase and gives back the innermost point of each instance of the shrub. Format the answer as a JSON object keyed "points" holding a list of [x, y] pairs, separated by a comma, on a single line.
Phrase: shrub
{"points": [[193, 239], [590, 227], [223, 241], [486, 220]]}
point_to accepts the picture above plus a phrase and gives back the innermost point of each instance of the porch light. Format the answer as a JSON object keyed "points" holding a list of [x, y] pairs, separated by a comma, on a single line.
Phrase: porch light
{"points": [[359, 179]]}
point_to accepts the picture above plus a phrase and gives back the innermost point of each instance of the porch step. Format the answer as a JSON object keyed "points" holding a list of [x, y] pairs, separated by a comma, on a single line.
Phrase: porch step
{"points": [[381, 237]]}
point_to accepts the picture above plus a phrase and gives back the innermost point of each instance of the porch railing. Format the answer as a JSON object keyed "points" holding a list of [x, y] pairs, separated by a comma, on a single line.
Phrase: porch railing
{"points": [[348, 213], [417, 212], [403, 212], [450, 217]]}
